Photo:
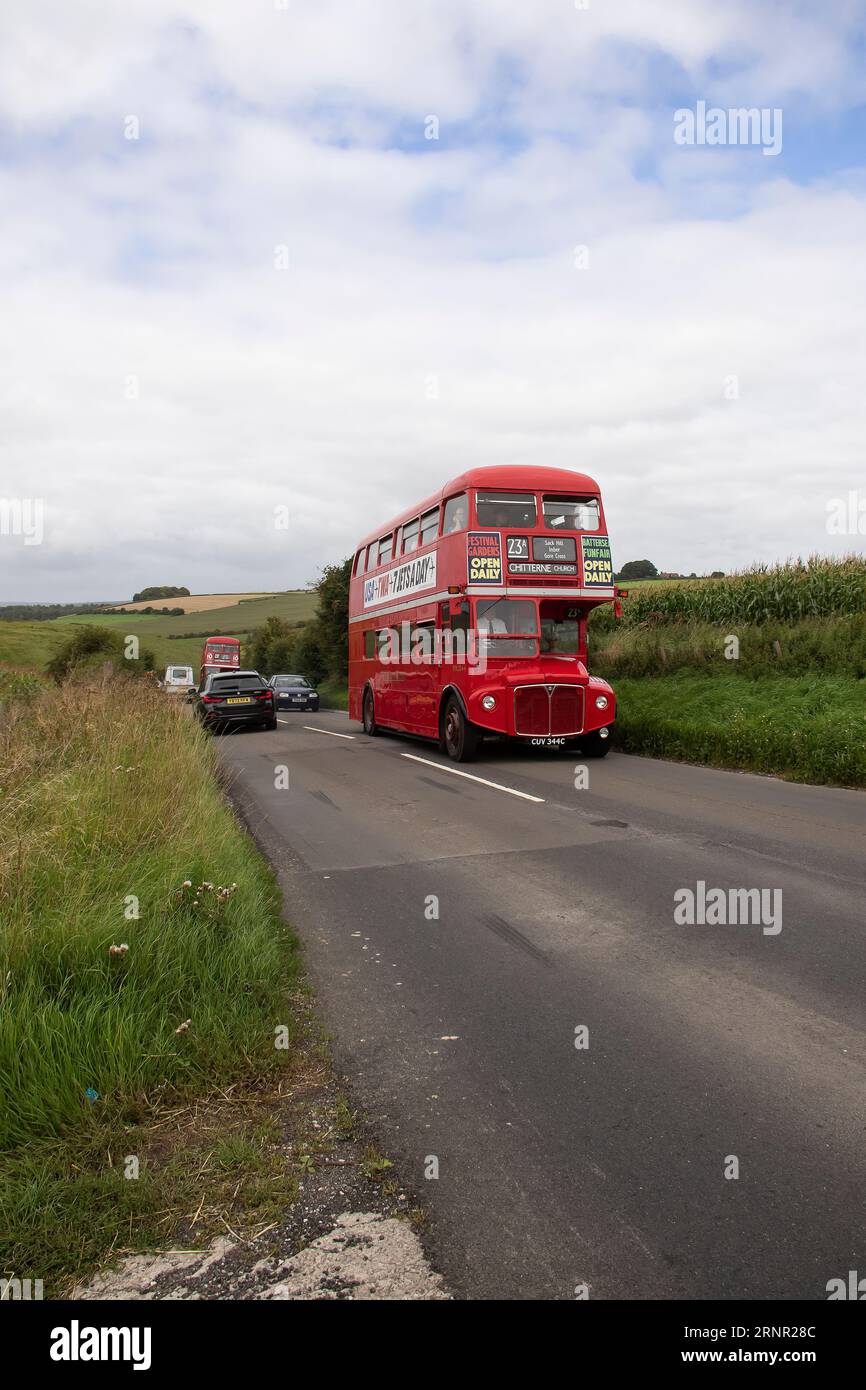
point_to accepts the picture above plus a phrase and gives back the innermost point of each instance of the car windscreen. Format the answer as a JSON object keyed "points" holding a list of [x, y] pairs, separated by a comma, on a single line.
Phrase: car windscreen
{"points": [[225, 684], [280, 681]]}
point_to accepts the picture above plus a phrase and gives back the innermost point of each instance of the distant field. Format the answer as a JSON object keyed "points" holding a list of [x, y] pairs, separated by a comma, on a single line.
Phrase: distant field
{"points": [[294, 606], [195, 603], [170, 639]]}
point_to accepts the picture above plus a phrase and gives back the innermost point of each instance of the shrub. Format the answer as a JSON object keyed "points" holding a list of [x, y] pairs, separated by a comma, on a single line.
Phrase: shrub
{"points": [[92, 646]]}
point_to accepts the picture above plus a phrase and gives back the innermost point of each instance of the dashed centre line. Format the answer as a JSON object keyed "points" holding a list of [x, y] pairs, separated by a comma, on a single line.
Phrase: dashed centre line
{"points": [[497, 786], [314, 729]]}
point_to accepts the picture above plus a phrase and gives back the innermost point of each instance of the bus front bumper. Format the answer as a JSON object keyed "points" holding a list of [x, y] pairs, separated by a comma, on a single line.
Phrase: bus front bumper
{"points": [[551, 711]]}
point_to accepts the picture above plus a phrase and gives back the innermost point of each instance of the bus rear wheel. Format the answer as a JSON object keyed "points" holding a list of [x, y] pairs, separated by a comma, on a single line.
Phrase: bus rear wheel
{"points": [[368, 714], [459, 737]]}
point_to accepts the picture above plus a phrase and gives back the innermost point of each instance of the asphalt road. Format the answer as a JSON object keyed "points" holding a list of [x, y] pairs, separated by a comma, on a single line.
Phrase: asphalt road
{"points": [[603, 1165]]}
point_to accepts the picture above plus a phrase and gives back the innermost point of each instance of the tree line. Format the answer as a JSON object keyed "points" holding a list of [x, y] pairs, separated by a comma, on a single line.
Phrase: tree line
{"points": [[161, 591], [318, 649]]}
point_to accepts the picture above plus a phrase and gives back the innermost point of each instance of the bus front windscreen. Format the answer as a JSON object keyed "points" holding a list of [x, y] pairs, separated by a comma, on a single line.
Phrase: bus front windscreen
{"points": [[507, 627]]}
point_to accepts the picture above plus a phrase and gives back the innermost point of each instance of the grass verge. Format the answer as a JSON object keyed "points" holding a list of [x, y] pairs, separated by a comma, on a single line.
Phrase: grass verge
{"points": [[108, 805], [810, 728]]}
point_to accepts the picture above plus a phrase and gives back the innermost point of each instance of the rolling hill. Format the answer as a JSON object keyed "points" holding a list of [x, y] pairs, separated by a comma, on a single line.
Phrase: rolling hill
{"points": [[171, 639]]}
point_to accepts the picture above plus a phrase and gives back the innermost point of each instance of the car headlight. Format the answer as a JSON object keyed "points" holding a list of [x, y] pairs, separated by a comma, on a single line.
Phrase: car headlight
{"points": [[489, 702], [601, 702]]}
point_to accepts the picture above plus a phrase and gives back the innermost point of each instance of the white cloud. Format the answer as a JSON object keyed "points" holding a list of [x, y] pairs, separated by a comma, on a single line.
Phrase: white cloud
{"points": [[307, 387]]}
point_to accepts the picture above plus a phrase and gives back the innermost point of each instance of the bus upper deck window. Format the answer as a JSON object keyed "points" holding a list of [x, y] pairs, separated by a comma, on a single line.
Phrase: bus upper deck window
{"points": [[429, 526], [384, 550], [456, 514], [503, 509], [410, 536], [571, 513]]}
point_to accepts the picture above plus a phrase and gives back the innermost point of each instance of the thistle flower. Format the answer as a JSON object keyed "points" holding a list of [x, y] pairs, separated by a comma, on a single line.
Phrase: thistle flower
{"points": [[120, 950]]}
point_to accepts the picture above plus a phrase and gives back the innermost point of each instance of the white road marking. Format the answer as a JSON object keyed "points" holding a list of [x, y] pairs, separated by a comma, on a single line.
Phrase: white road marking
{"points": [[314, 729], [497, 786]]}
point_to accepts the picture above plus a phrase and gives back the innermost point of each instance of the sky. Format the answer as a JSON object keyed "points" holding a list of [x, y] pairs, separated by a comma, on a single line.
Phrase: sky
{"points": [[274, 270]]}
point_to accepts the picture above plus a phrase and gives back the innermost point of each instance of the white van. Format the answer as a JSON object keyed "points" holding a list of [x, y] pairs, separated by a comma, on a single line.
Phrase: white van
{"points": [[178, 679]]}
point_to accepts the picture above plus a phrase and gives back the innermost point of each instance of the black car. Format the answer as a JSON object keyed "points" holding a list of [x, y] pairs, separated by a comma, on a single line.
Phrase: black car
{"points": [[294, 692], [231, 698]]}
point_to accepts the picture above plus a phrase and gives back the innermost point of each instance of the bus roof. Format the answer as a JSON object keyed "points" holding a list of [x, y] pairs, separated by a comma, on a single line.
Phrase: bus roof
{"points": [[511, 476]]}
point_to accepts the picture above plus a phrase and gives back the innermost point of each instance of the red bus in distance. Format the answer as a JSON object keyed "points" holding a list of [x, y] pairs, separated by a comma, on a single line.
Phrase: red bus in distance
{"points": [[468, 614], [219, 654]]}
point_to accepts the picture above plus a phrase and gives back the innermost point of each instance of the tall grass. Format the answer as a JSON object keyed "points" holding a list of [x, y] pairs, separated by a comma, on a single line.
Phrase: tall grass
{"points": [[790, 698], [832, 645], [19, 684], [109, 803]]}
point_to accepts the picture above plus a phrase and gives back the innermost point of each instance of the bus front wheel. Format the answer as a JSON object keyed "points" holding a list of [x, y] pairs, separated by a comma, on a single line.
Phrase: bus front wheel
{"points": [[368, 715], [593, 746], [459, 737]]}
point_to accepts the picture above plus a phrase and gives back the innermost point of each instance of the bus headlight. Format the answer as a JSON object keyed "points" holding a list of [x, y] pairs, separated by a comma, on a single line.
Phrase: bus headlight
{"points": [[601, 702], [489, 702]]}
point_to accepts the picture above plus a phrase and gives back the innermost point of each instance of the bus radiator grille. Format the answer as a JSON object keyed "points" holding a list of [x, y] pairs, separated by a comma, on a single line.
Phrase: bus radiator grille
{"points": [[542, 711]]}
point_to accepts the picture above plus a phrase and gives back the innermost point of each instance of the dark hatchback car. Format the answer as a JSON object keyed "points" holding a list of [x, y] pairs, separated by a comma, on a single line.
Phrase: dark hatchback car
{"points": [[294, 692], [231, 698]]}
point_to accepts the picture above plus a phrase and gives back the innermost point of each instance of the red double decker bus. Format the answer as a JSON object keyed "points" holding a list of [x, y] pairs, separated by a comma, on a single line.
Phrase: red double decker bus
{"points": [[468, 614], [219, 654]]}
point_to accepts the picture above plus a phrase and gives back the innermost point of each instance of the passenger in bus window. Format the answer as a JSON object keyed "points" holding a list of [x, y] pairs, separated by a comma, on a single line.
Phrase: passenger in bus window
{"points": [[586, 516], [458, 519]]}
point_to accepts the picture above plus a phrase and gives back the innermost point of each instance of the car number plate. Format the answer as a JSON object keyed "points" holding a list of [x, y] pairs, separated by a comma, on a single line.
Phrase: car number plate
{"points": [[239, 700]]}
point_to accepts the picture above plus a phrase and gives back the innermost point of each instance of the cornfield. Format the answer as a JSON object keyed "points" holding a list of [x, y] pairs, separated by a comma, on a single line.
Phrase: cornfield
{"points": [[819, 587]]}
